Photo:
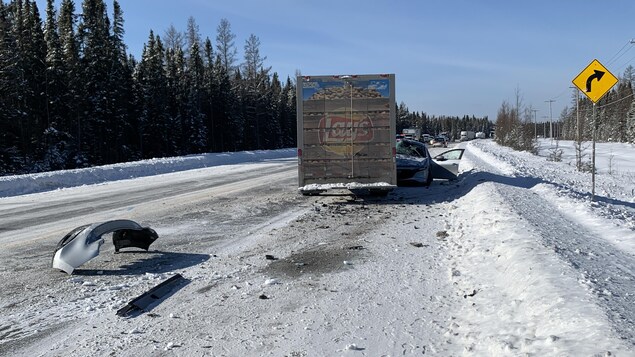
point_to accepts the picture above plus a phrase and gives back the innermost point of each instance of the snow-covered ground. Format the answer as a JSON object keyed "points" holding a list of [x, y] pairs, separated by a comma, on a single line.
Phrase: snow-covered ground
{"points": [[515, 258], [46, 181]]}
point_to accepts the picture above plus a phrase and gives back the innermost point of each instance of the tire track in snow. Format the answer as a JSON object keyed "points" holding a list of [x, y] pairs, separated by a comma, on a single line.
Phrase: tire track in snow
{"points": [[606, 271]]}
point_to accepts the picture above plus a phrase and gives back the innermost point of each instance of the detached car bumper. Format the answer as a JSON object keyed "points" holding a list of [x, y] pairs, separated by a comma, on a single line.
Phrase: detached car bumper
{"points": [[82, 243]]}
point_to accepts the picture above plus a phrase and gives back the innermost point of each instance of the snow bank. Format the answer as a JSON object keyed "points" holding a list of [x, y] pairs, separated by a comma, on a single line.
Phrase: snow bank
{"points": [[512, 282], [48, 181]]}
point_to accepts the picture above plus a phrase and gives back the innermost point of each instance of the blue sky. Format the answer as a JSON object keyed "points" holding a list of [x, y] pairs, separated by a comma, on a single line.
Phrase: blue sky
{"points": [[453, 57]]}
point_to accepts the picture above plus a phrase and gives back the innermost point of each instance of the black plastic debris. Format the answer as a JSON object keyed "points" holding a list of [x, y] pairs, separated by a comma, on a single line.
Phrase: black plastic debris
{"points": [[138, 238], [141, 303]]}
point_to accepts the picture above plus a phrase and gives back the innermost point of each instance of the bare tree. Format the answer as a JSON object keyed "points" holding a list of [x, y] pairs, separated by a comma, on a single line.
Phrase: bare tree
{"points": [[253, 61], [193, 35], [514, 126], [173, 38], [225, 45]]}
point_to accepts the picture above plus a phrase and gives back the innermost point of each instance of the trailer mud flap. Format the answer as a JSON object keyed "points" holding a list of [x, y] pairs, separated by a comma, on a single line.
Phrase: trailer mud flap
{"points": [[151, 297]]}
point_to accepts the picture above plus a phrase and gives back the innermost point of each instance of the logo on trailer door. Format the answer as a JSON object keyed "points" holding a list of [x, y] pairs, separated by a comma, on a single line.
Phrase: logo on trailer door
{"points": [[336, 136]]}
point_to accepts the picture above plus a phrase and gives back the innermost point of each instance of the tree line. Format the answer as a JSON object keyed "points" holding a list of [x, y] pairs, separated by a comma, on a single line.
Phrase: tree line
{"points": [[612, 118], [434, 125], [71, 96]]}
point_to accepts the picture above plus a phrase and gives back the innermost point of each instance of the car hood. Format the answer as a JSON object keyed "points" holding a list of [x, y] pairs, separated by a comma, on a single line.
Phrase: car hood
{"points": [[404, 161]]}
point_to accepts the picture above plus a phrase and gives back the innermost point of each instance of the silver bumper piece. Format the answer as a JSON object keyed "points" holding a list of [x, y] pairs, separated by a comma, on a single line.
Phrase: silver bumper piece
{"points": [[82, 243]]}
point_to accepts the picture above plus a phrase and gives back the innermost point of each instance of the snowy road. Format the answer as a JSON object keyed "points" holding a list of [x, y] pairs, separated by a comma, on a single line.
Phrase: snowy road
{"points": [[511, 259], [84, 205]]}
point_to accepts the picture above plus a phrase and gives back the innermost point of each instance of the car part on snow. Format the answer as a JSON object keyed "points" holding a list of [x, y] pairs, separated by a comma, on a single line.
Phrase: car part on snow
{"points": [[132, 238], [141, 302], [82, 243]]}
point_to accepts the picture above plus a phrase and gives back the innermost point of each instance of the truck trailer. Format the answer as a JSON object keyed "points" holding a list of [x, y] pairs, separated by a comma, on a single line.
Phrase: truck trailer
{"points": [[346, 133], [467, 135], [412, 133]]}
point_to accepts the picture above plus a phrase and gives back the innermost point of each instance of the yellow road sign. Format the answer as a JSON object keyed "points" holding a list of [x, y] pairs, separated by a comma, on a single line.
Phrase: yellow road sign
{"points": [[595, 80]]}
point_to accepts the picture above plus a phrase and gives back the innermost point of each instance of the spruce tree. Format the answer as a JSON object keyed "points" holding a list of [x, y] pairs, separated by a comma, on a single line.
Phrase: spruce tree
{"points": [[119, 87], [175, 83], [70, 54], [31, 57], [95, 63], [11, 86], [210, 83], [226, 111], [196, 129], [288, 114], [152, 91]]}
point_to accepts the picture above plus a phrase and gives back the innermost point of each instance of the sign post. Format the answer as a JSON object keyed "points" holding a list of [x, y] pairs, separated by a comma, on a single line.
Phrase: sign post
{"points": [[594, 81]]}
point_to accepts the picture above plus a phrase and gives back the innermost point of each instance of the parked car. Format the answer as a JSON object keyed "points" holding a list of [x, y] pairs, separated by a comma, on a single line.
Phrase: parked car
{"points": [[416, 167], [439, 141]]}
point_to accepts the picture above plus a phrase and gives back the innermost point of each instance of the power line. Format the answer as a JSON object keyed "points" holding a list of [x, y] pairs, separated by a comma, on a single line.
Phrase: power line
{"points": [[616, 57], [627, 63], [616, 101]]}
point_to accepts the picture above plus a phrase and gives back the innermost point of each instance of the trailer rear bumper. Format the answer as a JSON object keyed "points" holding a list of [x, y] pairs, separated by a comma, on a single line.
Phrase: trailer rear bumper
{"points": [[377, 188]]}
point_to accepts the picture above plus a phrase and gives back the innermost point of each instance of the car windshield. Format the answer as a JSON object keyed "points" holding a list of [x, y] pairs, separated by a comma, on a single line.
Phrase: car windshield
{"points": [[410, 149]]}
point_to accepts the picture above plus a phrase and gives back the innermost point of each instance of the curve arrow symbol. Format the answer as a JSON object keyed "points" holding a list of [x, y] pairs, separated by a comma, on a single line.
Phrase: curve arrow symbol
{"points": [[597, 75]]}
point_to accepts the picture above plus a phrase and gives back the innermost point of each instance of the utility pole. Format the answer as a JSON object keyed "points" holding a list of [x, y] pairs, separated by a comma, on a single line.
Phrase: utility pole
{"points": [[593, 157], [535, 123], [578, 134], [550, 118]]}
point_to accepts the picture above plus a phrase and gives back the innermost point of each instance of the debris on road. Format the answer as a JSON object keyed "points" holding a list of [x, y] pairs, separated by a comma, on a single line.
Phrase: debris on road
{"points": [[82, 243], [154, 295]]}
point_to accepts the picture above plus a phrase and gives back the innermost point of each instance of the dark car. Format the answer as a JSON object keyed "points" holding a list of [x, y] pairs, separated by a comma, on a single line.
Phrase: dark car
{"points": [[416, 167], [413, 163], [439, 141]]}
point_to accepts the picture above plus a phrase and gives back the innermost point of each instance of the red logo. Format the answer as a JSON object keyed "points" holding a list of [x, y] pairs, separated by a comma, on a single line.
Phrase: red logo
{"points": [[337, 130]]}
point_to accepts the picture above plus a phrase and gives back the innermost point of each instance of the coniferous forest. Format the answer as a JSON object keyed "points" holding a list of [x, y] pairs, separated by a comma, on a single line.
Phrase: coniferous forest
{"points": [[70, 95]]}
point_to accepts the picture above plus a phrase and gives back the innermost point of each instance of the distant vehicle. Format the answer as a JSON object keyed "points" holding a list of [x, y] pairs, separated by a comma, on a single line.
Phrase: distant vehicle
{"points": [[346, 133], [467, 135], [439, 142], [480, 135], [415, 166], [425, 138], [414, 134]]}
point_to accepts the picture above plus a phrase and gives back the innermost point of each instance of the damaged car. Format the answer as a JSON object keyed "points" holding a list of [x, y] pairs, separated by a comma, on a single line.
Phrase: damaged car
{"points": [[83, 243], [415, 166]]}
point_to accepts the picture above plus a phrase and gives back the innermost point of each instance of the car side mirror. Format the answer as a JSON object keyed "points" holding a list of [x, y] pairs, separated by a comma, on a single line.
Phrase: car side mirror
{"points": [[440, 158]]}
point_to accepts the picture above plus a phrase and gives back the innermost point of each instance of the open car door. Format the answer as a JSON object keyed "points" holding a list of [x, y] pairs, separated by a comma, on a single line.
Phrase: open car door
{"points": [[446, 165]]}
